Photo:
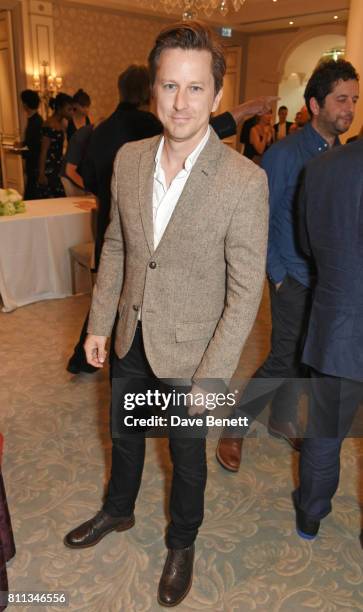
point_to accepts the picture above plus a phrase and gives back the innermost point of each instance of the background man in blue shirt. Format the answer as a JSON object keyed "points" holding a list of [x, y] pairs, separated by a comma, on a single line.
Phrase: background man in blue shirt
{"points": [[330, 96]]}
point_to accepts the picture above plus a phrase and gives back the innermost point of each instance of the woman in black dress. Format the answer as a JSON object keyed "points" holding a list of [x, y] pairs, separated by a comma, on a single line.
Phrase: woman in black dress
{"points": [[51, 148], [80, 118], [261, 137]]}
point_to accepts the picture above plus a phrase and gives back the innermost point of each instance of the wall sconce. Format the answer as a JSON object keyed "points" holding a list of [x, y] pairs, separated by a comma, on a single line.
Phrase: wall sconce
{"points": [[47, 85]]}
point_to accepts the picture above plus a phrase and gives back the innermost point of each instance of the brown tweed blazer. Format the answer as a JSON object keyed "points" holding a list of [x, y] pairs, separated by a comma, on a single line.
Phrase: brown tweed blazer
{"points": [[199, 291]]}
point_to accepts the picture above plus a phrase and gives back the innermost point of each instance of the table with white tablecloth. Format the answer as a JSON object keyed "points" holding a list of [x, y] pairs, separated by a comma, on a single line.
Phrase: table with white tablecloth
{"points": [[34, 250]]}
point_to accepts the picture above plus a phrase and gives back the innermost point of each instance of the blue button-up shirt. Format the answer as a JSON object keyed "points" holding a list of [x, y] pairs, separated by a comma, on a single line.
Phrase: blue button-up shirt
{"points": [[284, 163]]}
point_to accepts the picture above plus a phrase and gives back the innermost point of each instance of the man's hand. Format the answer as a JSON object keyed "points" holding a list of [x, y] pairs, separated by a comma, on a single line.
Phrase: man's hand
{"points": [[193, 409], [256, 106], [278, 285], [95, 350]]}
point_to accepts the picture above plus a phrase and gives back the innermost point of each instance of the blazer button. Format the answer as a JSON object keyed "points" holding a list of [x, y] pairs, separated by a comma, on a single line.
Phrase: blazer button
{"points": [[152, 265], [136, 307]]}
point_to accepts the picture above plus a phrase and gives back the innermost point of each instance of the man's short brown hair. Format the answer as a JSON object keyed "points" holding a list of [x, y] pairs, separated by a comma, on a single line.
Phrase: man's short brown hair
{"points": [[190, 35], [134, 85]]}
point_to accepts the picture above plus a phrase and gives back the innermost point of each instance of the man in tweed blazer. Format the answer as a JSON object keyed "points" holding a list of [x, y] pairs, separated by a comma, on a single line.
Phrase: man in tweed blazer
{"points": [[183, 267]]}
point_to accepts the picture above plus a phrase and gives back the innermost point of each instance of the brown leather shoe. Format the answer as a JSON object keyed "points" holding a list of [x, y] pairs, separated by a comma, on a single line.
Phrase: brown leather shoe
{"points": [[92, 531], [286, 431], [229, 452], [177, 577]]}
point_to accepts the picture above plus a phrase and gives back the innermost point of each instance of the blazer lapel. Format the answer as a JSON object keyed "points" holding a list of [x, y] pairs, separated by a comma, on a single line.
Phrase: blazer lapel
{"points": [[197, 187], [195, 190], [146, 183]]}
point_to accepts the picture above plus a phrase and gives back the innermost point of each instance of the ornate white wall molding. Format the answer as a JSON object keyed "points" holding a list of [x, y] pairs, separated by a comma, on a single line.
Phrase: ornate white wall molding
{"points": [[42, 35]]}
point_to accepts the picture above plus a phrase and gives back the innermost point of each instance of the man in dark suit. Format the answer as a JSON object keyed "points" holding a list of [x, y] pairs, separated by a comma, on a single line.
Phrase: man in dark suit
{"points": [[30, 101], [331, 229], [331, 95], [282, 127], [130, 121]]}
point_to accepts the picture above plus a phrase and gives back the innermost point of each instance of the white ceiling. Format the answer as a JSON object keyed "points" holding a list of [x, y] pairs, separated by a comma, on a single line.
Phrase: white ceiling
{"points": [[254, 16]]}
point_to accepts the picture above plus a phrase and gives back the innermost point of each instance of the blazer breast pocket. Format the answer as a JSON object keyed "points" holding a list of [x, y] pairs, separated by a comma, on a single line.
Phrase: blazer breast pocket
{"points": [[186, 332]]}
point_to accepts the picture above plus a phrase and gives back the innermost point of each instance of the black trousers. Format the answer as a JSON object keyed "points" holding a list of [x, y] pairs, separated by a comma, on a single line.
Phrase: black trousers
{"points": [[276, 381], [333, 406], [188, 455], [79, 352]]}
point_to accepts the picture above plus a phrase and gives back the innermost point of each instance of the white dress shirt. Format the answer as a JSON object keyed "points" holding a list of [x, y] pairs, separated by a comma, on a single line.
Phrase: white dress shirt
{"points": [[165, 199]]}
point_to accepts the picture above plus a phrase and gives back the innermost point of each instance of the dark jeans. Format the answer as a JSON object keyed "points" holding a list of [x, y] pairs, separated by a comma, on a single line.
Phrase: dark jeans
{"points": [[333, 405], [290, 308], [128, 452]]}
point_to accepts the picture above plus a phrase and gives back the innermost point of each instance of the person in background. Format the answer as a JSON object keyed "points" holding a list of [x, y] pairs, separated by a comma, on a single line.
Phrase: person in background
{"points": [[80, 116], [72, 180], [32, 137], [331, 95], [245, 131], [301, 118], [130, 121], [282, 127], [261, 137], [51, 148], [331, 233], [297, 123], [356, 137], [7, 544]]}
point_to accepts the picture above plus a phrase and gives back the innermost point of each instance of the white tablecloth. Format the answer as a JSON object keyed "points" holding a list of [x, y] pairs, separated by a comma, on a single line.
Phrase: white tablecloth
{"points": [[34, 250]]}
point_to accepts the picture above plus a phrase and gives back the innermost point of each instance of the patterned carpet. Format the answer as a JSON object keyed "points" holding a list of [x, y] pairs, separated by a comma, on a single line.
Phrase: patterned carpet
{"points": [[56, 463]]}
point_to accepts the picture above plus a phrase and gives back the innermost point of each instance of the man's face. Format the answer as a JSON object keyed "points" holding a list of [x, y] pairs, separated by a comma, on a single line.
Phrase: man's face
{"points": [[304, 116], [184, 93], [283, 114], [337, 114]]}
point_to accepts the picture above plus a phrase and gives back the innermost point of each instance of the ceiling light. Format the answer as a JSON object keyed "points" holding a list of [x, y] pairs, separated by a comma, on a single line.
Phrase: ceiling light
{"points": [[335, 16], [192, 9], [291, 22]]}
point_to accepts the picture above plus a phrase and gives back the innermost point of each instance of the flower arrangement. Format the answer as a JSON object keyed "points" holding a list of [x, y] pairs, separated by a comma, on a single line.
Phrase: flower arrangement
{"points": [[11, 202]]}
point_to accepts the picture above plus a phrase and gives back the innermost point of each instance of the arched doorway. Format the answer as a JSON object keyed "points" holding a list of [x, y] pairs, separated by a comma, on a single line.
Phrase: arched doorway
{"points": [[299, 65]]}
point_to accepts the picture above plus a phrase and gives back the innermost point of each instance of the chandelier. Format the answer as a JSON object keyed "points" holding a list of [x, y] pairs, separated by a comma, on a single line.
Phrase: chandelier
{"points": [[192, 9], [47, 85]]}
